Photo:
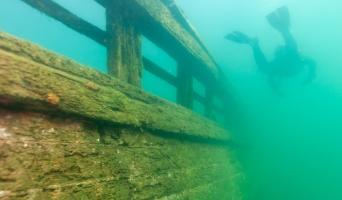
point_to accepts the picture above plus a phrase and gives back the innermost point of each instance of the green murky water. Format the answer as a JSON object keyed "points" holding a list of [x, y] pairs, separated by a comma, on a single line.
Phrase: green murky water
{"points": [[293, 142]]}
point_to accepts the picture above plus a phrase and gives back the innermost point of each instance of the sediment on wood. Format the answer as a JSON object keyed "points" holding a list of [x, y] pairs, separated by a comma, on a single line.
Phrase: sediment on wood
{"points": [[124, 57], [54, 82]]}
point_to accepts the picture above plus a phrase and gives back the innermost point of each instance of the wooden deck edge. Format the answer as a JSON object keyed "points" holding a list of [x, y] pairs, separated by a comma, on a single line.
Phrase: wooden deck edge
{"points": [[43, 80]]}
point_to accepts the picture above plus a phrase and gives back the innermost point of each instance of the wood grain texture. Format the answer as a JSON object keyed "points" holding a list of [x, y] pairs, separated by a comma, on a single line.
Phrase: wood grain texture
{"points": [[61, 157], [32, 76], [124, 54]]}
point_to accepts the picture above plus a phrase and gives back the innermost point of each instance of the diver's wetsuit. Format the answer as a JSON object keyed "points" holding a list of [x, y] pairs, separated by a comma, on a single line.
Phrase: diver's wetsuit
{"points": [[260, 58], [288, 60]]}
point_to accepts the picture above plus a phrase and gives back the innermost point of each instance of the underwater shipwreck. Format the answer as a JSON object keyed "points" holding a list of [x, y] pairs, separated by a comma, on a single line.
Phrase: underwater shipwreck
{"points": [[68, 131]]}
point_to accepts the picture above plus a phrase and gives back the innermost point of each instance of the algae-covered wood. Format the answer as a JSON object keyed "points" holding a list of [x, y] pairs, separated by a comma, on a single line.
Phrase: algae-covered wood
{"points": [[169, 29], [160, 20], [61, 157], [46, 81], [70, 132], [124, 56], [164, 17]]}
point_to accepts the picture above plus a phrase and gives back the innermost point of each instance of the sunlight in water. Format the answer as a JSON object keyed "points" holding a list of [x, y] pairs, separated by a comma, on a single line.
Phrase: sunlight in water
{"points": [[267, 6]]}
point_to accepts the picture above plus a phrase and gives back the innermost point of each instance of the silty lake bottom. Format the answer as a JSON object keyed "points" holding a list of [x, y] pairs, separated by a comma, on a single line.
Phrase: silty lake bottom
{"points": [[289, 140]]}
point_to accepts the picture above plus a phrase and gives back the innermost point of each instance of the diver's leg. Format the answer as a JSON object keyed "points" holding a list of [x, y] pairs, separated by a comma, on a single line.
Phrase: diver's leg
{"points": [[259, 56], [290, 42], [280, 20]]}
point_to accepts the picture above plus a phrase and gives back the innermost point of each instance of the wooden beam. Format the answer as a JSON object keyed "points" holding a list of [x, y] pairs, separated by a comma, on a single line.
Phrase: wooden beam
{"points": [[199, 98], [103, 3], [179, 15], [43, 81], [69, 19], [124, 57], [35, 53], [185, 86], [208, 105], [159, 72], [166, 27]]}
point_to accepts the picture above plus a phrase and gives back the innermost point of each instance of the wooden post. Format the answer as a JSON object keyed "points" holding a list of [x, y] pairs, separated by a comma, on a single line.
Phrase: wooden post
{"points": [[124, 59], [208, 106], [185, 86]]}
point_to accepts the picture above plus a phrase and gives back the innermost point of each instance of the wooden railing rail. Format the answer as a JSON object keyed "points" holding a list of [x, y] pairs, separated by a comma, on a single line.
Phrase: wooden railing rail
{"points": [[159, 72], [74, 22], [162, 22]]}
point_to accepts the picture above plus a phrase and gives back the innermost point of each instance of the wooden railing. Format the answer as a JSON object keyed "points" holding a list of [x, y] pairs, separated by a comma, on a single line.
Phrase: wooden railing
{"points": [[162, 22]]}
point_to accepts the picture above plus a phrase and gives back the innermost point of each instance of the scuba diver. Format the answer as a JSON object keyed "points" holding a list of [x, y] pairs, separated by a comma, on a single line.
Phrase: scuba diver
{"points": [[288, 61]]}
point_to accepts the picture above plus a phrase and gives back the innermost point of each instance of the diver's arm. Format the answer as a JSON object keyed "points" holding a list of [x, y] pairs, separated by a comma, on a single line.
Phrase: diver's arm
{"points": [[259, 56], [311, 67]]}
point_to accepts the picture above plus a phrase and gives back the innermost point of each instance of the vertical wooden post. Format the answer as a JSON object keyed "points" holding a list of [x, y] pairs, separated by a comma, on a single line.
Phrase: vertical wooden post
{"points": [[208, 107], [124, 59], [230, 111], [185, 86]]}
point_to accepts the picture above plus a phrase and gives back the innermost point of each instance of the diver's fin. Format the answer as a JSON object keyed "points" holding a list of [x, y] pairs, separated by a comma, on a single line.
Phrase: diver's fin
{"points": [[280, 19], [239, 37]]}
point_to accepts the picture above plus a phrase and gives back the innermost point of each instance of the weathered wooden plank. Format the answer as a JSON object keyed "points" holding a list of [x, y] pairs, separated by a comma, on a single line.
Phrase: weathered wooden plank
{"points": [[33, 52], [158, 24], [212, 191], [207, 103], [184, 86], [54, 10], [124, 45], [159, 72], [199, 98], [166, 29], [61, 157], [179, 15], [43, 56], [54, 83], [173, 47], [157, 11], [61, 14]]}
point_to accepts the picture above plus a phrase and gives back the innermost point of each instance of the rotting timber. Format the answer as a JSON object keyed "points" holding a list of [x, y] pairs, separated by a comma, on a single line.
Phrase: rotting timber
{"points": [[70, 132]]}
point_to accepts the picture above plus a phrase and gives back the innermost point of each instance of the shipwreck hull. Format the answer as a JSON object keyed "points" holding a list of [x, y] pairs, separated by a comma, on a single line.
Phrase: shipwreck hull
{"points": [[49, 157], [70, 132]]}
